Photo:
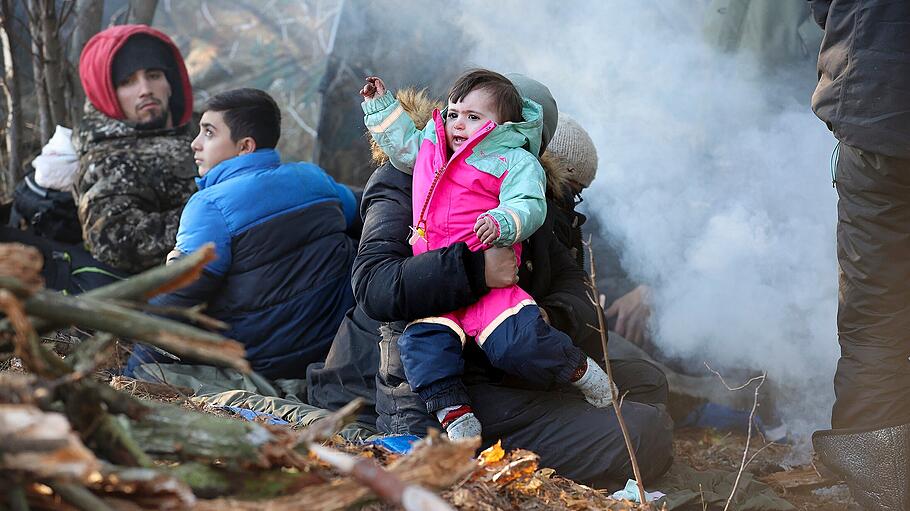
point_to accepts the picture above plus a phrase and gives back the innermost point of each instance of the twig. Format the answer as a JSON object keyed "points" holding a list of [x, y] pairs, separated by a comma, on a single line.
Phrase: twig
{"points": [[28, 346], [756, 453], [734, 389], [326, 428], [617, 405], [193, 314], [761, 381], [85, 360]]}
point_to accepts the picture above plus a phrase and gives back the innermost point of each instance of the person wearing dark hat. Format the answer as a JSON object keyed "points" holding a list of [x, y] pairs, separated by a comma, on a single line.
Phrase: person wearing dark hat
{"points": [[136, 168], [143, 71]]}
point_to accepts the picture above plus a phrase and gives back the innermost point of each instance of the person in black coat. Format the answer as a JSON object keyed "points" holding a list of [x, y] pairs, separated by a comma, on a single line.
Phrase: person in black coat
{"points": [[393, 286], [863, 95]]}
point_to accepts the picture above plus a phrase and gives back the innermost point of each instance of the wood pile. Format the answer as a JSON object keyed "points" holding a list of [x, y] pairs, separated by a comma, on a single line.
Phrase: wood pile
{"points": [[71, 440]]}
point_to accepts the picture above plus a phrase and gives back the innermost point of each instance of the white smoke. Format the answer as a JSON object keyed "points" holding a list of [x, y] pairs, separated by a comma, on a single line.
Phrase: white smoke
{"points": [[713, 178]]}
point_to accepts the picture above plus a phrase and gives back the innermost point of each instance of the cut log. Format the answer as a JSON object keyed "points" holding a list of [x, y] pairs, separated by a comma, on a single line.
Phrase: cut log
{"points": [[172, 432], [43, 445], [93, 314]]}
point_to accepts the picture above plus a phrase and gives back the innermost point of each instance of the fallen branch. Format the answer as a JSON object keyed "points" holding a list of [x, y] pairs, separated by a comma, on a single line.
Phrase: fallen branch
{"points": [[602, 329], [79, 497], [42, 444], [192, 314], [175, 433], [28, 346], [145, 285], [86, 312], [434, 463], [324, 429], [158, 280], [389, 488]]}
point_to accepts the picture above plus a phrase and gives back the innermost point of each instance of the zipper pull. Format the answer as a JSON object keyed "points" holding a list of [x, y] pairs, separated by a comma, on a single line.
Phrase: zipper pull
{"points": [[417, 233]]}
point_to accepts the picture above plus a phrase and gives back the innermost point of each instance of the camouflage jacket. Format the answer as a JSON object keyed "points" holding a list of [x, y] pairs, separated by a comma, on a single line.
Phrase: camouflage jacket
{"points": [[130, 189]]}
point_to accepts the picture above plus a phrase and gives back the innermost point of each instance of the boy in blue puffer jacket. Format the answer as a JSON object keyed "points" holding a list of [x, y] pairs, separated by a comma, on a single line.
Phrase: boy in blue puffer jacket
{"points": [[282, 277]]}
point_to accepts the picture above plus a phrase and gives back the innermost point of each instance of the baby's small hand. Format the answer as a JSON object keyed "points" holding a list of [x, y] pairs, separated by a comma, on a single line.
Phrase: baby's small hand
{"points": [[373, 89], [486, 230]]}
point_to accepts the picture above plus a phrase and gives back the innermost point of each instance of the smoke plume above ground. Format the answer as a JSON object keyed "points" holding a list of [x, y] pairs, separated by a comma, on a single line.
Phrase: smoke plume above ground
{"points": [[714, 179]]}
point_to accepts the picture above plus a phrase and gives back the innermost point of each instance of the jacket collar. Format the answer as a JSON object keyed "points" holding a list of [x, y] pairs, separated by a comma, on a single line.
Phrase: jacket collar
{"points": [[239, 165]]}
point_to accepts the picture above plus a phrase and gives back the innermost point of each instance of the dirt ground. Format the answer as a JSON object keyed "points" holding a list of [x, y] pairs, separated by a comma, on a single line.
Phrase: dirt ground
{"points": [[807, 487]]}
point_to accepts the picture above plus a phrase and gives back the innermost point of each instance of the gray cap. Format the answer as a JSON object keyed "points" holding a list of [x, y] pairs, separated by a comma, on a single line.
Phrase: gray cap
{"points": [[538, 92], [573, 147]]}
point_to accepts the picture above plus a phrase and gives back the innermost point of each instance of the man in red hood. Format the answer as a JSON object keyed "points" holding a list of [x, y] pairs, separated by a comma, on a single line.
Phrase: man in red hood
{"points": [[136, 167]]}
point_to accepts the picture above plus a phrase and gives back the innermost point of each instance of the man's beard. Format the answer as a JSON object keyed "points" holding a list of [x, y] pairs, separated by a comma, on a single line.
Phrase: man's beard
{"points": [[155, 123]]}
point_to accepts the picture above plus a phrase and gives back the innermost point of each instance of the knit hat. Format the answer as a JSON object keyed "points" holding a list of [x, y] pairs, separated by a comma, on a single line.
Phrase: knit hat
{"points": [[540, 94], [572, 146], [140, 51]]}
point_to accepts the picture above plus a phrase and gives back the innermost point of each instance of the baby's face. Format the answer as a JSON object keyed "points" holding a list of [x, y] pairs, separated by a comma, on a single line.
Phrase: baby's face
{"points": [[465, 117]]}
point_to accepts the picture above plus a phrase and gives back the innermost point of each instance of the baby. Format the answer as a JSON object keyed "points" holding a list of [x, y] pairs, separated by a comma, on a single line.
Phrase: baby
{"points": [[476, 179]]}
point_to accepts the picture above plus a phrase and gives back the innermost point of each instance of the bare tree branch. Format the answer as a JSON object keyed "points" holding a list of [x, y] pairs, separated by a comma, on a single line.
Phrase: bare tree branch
{"points": [[761, 381], [617, 405], [52, 53], [34, 9]]}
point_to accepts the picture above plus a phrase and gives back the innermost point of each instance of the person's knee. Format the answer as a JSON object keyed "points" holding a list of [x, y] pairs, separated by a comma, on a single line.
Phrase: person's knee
{"points": [[651, 432], [525, 346], [429, 353], [642, 381]]}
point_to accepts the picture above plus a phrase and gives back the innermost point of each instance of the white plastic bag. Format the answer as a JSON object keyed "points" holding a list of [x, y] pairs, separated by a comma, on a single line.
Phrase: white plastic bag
{"points": [[56, 166]]}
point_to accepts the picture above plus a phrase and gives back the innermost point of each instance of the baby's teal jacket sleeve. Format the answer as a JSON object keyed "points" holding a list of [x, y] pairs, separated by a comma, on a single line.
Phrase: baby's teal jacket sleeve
{"points": [[522, 202], [392, 128]]}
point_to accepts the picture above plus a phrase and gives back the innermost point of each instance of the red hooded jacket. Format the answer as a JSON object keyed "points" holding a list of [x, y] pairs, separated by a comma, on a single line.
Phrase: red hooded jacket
{"points": [[95, 70]]}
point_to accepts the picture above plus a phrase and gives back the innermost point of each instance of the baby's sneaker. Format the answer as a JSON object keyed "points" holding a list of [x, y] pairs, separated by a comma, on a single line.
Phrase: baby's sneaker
{"points": [[459, 422], [594, 383]]}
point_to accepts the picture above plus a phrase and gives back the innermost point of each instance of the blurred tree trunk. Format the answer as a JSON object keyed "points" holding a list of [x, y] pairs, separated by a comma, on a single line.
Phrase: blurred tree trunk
{"points": [[43, 104], [53, 60], [88, 23], [143, 11], [13, 125]]}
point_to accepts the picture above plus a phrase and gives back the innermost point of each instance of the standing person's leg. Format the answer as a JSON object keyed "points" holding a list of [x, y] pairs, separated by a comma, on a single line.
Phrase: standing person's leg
{"points": [[872, 383], [870, 440]]}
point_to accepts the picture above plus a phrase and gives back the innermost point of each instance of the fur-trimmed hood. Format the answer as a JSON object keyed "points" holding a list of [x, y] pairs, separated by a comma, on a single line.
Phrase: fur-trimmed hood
{"points": [[419, 106]]}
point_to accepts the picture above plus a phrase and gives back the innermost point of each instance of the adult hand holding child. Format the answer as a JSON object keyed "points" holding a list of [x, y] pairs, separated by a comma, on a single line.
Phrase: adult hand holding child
{"points": [[500, 267]]}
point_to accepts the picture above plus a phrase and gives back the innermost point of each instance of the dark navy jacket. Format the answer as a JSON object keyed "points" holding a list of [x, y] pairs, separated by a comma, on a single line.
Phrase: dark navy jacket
{"points": [[282, 280]]}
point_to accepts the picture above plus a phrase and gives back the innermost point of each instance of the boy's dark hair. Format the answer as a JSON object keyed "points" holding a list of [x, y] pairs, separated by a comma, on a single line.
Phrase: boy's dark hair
{"points": [[503, 92], [249, 113]]}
